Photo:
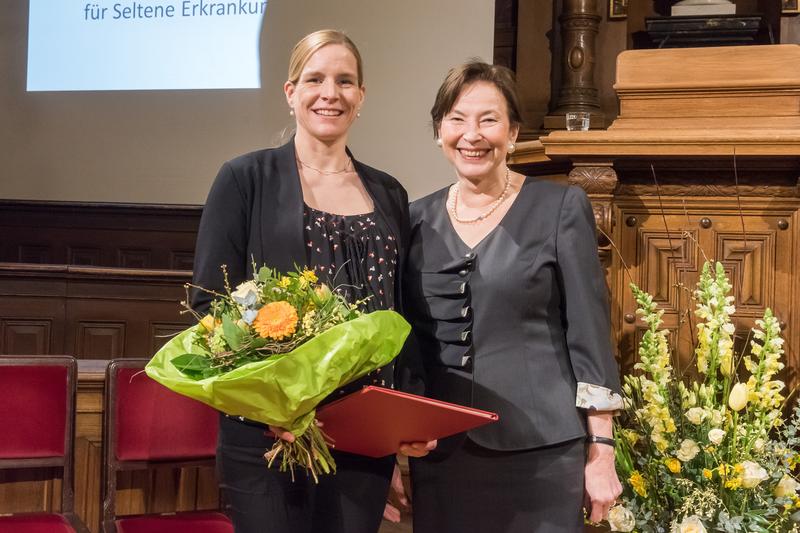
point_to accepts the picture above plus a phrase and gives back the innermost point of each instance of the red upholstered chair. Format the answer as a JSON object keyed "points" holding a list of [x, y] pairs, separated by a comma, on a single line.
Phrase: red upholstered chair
{"points": [[148, 425], [37, 430]]}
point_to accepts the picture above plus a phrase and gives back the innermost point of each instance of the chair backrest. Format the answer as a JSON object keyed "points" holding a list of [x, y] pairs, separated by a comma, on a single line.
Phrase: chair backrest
{"points": [[147, 424], [37, 416]]}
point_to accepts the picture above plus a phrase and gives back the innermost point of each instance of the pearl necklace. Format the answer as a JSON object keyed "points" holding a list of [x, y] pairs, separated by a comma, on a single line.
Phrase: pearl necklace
{"points": [[492, 207], [348, 167]]}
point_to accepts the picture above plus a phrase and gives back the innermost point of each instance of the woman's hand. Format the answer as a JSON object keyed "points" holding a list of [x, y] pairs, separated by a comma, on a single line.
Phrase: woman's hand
{"points": [[282, 434], [601, 484], [417, 449]]}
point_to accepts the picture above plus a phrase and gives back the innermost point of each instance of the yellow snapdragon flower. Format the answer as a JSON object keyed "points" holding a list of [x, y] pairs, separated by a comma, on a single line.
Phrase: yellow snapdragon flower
{"points": [[673, 465], [638, 483]]}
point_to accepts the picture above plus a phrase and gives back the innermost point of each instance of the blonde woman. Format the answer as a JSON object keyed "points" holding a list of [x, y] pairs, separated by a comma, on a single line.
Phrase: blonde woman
{"points": [[308, 202]]}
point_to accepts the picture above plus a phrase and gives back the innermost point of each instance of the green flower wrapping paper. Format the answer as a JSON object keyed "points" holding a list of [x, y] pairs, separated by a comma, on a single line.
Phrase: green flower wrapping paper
{"points": [[284, 389]]}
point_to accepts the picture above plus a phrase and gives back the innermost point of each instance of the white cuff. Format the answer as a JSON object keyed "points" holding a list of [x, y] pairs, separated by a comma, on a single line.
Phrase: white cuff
{"points": [[597, 398]]}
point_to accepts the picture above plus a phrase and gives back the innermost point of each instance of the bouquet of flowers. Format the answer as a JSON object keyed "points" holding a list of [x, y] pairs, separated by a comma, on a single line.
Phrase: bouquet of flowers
{"points": [[714, 452], [272, 349]]}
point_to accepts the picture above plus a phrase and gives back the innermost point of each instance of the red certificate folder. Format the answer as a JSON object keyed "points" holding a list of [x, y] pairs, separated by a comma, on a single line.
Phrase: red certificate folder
{"points": [[375, 420]]}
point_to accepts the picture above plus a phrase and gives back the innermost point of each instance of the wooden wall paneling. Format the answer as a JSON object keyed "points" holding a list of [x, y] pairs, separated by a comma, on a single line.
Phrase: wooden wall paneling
{"points": [[715, 122], [31, 313], [161, 332], [757, 249], [95, 313], [134, 258], [123, 313], [85, 256], [113, 235], [95, 339], [25, 336], [30, 253], [181, 260]]}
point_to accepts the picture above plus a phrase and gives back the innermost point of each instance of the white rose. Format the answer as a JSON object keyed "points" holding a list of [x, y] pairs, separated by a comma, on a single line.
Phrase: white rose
{"points": [[621, 519], [689, 449], [246, 294], [753, 474], [786, 487], [758, 445], [716, 435], [692, 524], [716, 417], [696, 415]]}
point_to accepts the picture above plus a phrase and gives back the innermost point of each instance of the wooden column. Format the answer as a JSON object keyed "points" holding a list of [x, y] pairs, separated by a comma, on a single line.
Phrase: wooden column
{"points": [[580, 21]]}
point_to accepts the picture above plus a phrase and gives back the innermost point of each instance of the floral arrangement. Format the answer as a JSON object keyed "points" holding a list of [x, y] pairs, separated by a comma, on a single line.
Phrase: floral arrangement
{"points": [[270, 314], [711, 452], [272, 349]]}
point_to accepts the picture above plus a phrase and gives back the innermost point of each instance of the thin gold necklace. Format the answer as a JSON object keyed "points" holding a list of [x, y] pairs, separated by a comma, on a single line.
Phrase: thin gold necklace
{"points": [[347, 168], [453, 203]]}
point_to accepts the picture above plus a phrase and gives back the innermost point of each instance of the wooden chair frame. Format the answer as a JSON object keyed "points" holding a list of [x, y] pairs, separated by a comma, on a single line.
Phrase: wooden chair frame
{"points": [[112, 465], [67, 462]]}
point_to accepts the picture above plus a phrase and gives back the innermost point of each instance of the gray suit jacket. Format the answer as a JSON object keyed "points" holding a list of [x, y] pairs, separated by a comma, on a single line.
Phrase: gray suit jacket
{"points": [[515, 323]]}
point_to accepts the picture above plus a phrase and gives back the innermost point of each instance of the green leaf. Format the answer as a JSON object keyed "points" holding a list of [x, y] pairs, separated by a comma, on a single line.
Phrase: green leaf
{"points": [[233, 334], [192, 365], [265, 273], [191, 361]]}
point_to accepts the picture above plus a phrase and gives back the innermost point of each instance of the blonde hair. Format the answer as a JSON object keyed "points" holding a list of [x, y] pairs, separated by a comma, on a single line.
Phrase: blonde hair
{"points": [[312, 42]]}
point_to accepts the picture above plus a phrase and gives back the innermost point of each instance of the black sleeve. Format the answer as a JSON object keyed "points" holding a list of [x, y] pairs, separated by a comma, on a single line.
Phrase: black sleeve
{"points": [[405, 231], [221, 238], [585, 294], [410, 371]]}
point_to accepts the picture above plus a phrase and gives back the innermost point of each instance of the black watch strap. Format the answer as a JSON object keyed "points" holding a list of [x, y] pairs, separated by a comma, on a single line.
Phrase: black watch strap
{"points": [[596, 439]]}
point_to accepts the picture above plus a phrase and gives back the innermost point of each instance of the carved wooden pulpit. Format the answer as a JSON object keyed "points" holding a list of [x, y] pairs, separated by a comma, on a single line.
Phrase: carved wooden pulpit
{"points": [[702, 162]]}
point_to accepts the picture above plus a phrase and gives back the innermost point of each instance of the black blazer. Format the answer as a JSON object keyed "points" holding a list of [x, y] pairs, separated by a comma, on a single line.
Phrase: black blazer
{"points": [[514, 324], [254, 215]]}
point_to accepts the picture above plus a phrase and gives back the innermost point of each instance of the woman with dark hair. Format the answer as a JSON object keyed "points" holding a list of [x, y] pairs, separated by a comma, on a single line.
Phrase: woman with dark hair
{"points": [[508, 303], [307, 203]]}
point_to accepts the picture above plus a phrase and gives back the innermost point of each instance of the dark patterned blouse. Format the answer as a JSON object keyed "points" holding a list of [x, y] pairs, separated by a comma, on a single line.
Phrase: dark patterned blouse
{"points": [[357, 256]]}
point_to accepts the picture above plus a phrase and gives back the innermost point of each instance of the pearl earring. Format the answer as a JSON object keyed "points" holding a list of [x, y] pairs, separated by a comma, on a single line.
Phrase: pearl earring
{"points": [[438, 142], [511, 148], [358, 114], [291, 112]]}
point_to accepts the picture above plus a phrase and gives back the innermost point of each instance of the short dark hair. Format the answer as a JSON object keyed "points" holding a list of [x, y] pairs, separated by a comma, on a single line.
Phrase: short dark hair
{"points": [[458, 78]]}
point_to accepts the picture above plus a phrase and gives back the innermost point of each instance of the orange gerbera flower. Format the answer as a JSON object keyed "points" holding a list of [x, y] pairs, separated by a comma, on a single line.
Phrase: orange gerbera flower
{"points": [[276, 320]]}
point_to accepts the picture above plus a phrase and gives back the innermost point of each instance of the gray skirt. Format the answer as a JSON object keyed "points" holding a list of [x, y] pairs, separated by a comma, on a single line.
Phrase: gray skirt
{"points": [[476, 489]]}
